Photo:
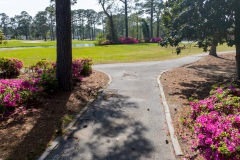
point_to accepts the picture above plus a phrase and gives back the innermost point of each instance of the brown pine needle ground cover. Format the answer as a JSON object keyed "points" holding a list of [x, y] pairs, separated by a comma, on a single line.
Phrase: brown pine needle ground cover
{"points": [[194, 80], [27, 136]]}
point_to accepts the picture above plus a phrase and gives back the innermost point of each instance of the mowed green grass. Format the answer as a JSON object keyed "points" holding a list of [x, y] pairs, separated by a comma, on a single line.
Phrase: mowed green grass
{"points": [[108, 54], [20, 43]]}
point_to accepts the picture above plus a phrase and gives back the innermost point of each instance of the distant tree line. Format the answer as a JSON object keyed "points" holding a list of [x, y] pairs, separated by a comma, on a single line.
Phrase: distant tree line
{"points": [[113, 22]]}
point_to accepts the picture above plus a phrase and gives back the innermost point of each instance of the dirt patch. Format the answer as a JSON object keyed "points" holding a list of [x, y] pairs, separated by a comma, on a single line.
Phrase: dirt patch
{"points": [[28, 136], [194, 80]]}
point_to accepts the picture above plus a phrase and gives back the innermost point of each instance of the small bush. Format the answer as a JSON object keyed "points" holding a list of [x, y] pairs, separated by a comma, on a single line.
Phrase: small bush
{"points": [[86, 67], [10, 66], [128, 40], [152, 40], [100, 39], [107, 42]]}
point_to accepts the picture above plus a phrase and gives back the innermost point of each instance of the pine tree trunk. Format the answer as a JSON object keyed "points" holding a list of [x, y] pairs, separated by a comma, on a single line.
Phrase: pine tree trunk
{"points": [[103, 28], [126, 19], [237, 38], [140, 32], [157, 27], [137, 28], [213, 50], [238, 60], [94, 35], [151, 18], [64, 45], [112, 28]]}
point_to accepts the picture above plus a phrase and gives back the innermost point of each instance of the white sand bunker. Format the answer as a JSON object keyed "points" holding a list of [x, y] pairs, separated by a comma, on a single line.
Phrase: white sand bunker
{"points": [[31, 42]]}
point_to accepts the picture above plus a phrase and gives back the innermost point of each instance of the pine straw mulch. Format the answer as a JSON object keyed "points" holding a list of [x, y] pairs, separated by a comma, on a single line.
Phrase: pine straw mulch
{"points": [[27, 136], [194, 80]]}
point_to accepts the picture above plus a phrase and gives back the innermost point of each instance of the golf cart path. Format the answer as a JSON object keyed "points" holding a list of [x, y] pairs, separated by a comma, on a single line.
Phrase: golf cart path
{"points": [[119, 126]]}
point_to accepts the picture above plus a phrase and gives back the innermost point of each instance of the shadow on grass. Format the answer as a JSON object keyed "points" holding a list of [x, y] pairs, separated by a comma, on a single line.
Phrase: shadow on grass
{"points": [[106, 132]]}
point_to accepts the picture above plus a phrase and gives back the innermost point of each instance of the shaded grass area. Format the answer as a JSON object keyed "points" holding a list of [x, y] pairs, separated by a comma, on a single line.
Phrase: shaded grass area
{"points": [[29, 43], [108, 54]]}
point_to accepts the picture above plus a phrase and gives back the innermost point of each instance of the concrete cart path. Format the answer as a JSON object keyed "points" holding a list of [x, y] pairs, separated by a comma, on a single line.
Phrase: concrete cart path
{"points": [[119, 126]]}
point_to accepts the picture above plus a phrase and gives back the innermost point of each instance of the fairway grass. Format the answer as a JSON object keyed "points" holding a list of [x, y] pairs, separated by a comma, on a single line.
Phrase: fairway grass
{"points": [[108, 54], [29, 43]]}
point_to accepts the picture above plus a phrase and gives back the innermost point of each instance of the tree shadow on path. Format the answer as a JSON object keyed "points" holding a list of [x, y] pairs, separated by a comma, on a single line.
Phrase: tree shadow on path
{"points": [[107, 132]]}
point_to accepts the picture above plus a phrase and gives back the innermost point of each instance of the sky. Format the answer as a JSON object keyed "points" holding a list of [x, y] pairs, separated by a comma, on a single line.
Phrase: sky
{"points": [[15, 7]]}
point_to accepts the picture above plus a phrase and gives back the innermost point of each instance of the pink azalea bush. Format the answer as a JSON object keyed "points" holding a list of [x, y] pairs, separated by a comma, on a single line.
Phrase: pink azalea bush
{"points": [[18, 95], [86, 66], [216, 123], [15, 93], [108, 42], [152, 40], [128, 40], [10, 66]]}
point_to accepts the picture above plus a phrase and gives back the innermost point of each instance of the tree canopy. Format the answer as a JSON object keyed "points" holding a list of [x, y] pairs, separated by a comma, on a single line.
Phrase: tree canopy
{"points": [[209, 22]]}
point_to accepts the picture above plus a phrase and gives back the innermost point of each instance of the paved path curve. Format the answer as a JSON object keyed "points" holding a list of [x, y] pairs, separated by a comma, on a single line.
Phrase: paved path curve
{"points": [[119, 126]]}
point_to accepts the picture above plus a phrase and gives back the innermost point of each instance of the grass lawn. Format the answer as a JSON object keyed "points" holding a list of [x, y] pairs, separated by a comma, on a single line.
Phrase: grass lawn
{"points": [[108, 54], [30, 43]]}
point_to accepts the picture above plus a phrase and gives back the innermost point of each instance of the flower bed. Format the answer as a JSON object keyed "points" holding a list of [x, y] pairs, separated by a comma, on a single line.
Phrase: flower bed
{"points": [[131, 40], [128, 40], [152, 40], [10, 66], [24, 92], [215, 122]]}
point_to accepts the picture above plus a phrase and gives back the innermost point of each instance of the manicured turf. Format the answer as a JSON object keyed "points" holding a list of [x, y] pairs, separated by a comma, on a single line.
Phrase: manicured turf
{"points": [[108, 54], [20, 43]]}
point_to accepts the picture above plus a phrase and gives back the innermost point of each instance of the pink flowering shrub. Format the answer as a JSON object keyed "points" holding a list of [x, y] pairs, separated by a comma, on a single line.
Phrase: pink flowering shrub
{"points": [[152, 40], [86, 66], [216, 123], [10, 66], [108, 42], [18, 95], [128, 40], [15, 93], [46, 71]]}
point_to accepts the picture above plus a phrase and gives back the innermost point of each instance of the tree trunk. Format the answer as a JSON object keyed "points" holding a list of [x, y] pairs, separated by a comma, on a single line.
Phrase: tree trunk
{"points": [[73, 35], [112, 27], [122, 30], [126, 19], [94, 36], [137, 27], [103, 28], [158, 27], [83, 33], [78, 33], [26, 34], [92, 33], [89, 32], [140, 32], [237, 38], [64, 45], [151, 18], [213, 50], [238, 60]]}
